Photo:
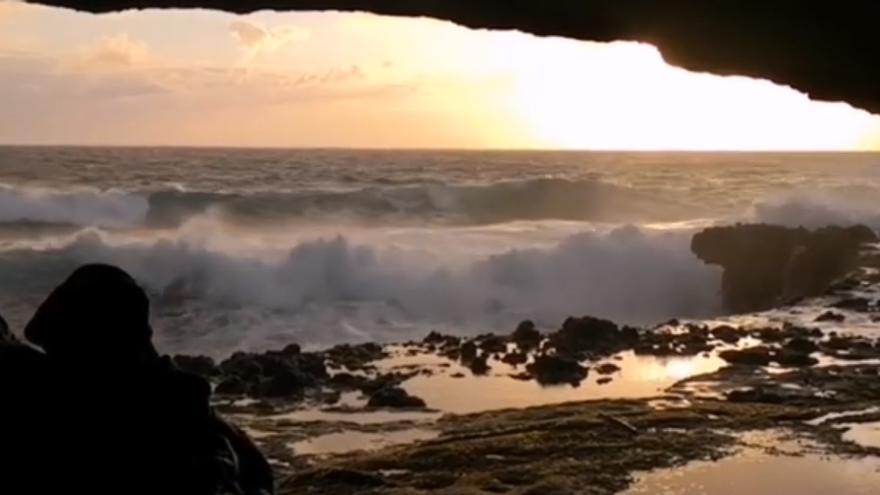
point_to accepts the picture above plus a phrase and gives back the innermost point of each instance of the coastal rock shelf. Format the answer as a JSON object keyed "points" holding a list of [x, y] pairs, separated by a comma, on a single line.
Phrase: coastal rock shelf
{"points": [[590, 404]]}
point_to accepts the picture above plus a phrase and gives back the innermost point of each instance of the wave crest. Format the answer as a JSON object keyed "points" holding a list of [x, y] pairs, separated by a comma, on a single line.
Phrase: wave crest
{"points": [[628, 274]]}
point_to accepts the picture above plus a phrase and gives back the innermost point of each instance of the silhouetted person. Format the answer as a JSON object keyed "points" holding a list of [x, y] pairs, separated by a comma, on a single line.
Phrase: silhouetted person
{"points": [[126, 420], [22, 386]]}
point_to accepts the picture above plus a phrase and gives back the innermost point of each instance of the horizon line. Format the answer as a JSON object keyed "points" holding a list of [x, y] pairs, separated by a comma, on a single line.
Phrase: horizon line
{"points": [[430, 149]]}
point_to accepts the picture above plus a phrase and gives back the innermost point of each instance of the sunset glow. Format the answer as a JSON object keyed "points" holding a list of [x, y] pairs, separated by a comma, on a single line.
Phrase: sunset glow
{"points": [[357, 80]]}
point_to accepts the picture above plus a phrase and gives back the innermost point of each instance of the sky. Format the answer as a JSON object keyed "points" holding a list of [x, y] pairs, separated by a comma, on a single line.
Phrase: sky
{"points": [[321, 79]]}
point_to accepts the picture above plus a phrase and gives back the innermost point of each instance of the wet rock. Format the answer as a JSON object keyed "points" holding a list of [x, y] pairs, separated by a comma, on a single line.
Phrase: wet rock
{"points": [[457, 375], [857, 304], [757, 394], [515, 358], [354, 357], [480, 365], [727, 334], [347, 381], [605, 380], [335, 481], [231, 386], [591, 335], [769, 335], [291, 350], [790, 358], [607, 369], [526, 336], [802, 345], [493, 344], [554, 369], [200, 365], [468, 352], [395, 398], [831, 316], [766, 264], [438, 338], [284, 382], [838, 343], [275, 373], [752, 356]]}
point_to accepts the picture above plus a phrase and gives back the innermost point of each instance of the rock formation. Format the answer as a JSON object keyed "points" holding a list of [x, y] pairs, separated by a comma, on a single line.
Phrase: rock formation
{"points": [[765, 265]]}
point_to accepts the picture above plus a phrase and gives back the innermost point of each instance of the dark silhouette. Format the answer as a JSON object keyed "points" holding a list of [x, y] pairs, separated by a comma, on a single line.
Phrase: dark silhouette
{"points": [[105, 412], [765, 265]]}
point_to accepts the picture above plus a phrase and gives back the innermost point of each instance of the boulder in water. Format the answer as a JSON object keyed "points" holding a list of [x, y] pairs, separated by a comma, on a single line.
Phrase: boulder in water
{"points": [[395, 398], [526, 336], [555, 370]]}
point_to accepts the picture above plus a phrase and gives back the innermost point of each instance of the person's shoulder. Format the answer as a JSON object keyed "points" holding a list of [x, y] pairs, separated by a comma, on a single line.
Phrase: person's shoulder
{"points": [[184, 385], [17, 354]]}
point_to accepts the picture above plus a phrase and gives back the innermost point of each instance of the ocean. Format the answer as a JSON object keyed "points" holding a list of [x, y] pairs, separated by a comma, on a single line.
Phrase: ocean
{"points": [[252, 249]]}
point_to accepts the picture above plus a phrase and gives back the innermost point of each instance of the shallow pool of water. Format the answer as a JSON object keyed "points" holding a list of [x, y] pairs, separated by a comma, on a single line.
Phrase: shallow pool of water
{"points": [[455, 389], [774, 467]]}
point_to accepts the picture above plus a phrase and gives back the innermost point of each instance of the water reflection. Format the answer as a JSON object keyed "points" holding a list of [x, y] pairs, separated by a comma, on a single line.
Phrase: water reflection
{"points": [[639, 377]]}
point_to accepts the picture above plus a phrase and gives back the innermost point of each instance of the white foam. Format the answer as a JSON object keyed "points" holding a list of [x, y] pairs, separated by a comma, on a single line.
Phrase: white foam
{"points": [[354, 287], [84, 207]]}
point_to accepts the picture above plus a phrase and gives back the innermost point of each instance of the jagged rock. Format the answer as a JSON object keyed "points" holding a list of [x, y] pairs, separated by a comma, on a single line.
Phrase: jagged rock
{"points": [[275, 373], [857, 304], [553, 369], [589, 334], [445, 342], [354, 357], [526, 336], [348, 381], [200, 365], [231, 386], [480, 365], [395, 398], [607, 369], [765, 264], [768, 335], [757, 394], [492, 344], [727, 334], [242, 365], [791, 358], [291, 350], [752, 356], [802, 345], [515, 358], [831, 316], [468, 352], [283, 382]]}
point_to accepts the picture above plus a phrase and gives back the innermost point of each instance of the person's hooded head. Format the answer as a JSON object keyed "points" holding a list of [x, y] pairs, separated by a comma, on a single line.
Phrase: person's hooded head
{"points": [[99, 313]]}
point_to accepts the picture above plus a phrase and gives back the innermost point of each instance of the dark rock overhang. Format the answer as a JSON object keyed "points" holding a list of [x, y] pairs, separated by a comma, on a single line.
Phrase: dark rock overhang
{"points": [[828, 49]]}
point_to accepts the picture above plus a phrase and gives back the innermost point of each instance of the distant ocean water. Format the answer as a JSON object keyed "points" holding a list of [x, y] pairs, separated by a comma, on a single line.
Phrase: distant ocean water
{"points": [[256, 248]]}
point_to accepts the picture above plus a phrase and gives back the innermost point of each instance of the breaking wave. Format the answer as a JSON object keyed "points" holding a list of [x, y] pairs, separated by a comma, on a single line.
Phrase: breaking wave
{"points": [[366, 291], [535, 199]]}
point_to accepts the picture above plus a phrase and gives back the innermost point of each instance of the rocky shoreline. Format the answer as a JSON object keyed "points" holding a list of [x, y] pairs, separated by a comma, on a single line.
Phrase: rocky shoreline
{"points": [[784, 369]]}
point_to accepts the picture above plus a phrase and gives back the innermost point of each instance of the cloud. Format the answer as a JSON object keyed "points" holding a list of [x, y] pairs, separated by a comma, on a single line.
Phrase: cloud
{"points": [[255, 38], [116, 52]]}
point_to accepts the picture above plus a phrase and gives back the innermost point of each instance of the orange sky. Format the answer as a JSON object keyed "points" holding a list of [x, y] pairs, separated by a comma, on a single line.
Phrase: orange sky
{"points": [[356, 80]]}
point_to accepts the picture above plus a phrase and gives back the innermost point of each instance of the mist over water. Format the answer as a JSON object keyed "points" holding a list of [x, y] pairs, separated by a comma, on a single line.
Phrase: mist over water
{"points": [[256, 248]]}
